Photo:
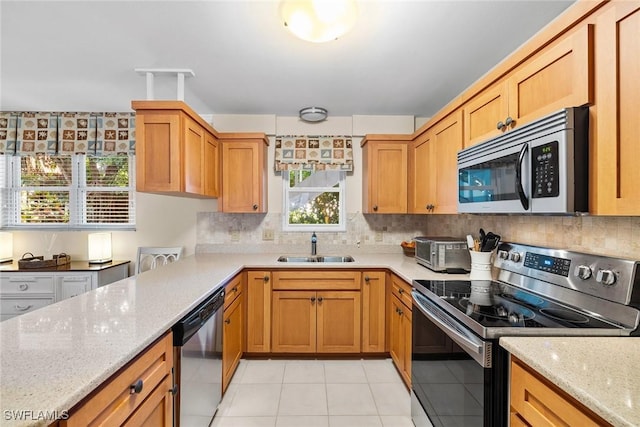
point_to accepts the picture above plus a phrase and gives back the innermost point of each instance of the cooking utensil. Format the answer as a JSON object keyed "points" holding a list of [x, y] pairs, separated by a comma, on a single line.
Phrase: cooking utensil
{"points": [[490, 242], [483, 236], [470, 242]]}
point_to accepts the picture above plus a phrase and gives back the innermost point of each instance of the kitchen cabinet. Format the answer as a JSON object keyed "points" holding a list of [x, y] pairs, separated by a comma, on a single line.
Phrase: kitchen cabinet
{"points": [[22, 291], [233, 329], [434, 169], [316, 312], [175, 150], [384, 173], [140, 394], [244, 172], [373, 311], [615, 150], [258, 312], [560, 75], [400, 327], [535, 401]]}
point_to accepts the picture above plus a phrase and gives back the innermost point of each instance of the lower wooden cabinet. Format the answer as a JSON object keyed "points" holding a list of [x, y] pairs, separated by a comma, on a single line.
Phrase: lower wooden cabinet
{"points": [[373, 311], [138, 395], [400, 343], [233, 329], [535, 401], [258, 312]]}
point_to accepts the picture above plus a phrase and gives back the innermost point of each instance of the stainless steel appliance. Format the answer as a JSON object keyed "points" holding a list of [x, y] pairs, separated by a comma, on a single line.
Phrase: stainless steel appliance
{"points": [[541, 167], [445, 254], [197, 340], [459, 372]]}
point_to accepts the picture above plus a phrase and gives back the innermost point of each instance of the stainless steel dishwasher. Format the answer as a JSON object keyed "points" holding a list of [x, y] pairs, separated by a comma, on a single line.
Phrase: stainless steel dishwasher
{"points": [[197, 340]]}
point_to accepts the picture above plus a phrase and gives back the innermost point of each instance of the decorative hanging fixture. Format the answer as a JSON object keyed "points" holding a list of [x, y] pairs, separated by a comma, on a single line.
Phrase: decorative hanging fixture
{"points": [[318, 21], [313, 114]]}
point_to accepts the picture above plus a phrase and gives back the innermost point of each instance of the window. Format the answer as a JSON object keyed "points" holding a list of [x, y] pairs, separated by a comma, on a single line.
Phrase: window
{"points": [[314, 200], [72, 192]]}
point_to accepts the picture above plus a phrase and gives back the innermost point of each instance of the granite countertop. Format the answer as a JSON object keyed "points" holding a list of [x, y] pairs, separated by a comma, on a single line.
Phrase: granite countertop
{"points": [[52, 358], [602, 373]]}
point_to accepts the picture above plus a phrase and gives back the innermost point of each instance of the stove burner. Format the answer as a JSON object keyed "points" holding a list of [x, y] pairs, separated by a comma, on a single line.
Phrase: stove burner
{"points": [[524, 298], [566, 315], [497, 312]]}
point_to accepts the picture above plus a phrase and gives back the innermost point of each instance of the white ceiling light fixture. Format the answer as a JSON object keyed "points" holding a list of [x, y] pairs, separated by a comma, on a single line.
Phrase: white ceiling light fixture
{"points": [[318, 21], [313, 114]]}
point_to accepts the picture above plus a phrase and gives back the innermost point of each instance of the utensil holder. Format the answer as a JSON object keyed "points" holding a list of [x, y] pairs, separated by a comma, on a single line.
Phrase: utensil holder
{"points": [[480, 265]]}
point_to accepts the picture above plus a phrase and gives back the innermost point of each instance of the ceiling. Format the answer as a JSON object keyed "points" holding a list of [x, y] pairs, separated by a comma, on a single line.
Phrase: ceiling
{"points": [[404, 57]]}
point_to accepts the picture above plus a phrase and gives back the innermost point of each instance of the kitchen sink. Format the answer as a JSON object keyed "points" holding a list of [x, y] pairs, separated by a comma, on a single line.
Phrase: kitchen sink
{"points": [[316, 258]]}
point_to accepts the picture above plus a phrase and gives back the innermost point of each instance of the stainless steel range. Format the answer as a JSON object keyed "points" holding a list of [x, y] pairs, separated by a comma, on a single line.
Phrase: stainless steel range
{"points": [[460, 373]]}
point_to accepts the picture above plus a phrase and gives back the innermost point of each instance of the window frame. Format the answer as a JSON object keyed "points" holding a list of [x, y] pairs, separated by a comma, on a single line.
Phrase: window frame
{"points": [[11, 188], [342, 215]]}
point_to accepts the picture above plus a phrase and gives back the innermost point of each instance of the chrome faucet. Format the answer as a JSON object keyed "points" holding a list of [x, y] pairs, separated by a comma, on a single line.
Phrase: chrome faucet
{"points": [[314, 241]]}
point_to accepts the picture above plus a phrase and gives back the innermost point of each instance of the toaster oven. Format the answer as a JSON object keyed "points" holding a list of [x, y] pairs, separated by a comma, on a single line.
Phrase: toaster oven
{"points": [[443, 254]]}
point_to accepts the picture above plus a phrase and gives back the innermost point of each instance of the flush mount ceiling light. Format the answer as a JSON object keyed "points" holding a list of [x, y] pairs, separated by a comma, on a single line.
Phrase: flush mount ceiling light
{"points": [[318, 21], [313, 114]]}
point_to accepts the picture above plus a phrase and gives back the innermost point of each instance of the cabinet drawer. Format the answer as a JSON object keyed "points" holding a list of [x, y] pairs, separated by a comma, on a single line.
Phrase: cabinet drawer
{"points": [[316, 280], [113, 402], [26, 284], [402, 290], [10, 307], [233, 290]]}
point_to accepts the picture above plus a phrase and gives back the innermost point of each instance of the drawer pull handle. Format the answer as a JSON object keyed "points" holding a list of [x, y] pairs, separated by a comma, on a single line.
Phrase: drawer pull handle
{"points": [[136, 387], [227, 321], [23, 287], [266, 278], [400, 291], [255, 207], [235, 289], [366, 279], [23, 307]]}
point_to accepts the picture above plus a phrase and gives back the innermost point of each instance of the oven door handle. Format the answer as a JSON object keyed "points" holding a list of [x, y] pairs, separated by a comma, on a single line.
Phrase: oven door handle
{"points": [[445, 324]]}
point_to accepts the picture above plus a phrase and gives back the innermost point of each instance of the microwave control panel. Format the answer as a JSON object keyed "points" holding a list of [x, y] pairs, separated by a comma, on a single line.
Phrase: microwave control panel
{"points": [[546, 177]]}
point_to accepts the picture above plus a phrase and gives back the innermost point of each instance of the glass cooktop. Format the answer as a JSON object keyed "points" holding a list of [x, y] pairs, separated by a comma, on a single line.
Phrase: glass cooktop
{"points": [[498, 305]]}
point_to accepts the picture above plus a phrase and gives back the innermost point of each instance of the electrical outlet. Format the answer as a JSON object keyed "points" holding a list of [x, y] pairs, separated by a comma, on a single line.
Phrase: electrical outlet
{"points": [[378, 237], [268, 234], [235, 235]]}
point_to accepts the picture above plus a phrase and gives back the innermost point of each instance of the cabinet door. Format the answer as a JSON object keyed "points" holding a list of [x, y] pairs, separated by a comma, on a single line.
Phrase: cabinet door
{"points": [[211, 165], [616, 147], [338, 322], [405, 322], [243, 176], [396, 348], [373, 311], [447, 140], [294, 322], [232, 340], [559, 76], [386, 177], [158, 155], [422, 178], [483, 113], [156, 410], [71, 285], [193, 156], [258, 312]]}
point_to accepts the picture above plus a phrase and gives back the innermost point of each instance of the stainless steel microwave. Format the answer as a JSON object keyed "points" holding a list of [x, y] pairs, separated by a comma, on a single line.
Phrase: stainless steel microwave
{"points": [[539, 168]]}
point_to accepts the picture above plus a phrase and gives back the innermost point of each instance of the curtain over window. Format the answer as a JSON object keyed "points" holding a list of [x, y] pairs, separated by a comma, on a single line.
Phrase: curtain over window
{"points": [[313, 153]]}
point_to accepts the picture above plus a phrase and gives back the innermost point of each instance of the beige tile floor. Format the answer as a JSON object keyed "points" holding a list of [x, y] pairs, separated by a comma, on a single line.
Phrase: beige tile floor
{"points": [[315, 393]]}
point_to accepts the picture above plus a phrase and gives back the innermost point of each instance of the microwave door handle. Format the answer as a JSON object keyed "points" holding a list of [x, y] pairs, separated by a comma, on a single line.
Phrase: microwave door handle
{"points": [[523, 197]]}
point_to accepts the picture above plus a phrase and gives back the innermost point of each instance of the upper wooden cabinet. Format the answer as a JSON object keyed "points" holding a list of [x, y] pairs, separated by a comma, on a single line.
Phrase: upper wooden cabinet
{"points": [[244, 172], [384, 173], [560, 75], [616, 148], [176, 151], [433, 167]]}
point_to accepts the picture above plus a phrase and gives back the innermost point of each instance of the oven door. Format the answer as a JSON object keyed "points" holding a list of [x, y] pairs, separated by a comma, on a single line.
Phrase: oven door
{"points": [[456, 377]]}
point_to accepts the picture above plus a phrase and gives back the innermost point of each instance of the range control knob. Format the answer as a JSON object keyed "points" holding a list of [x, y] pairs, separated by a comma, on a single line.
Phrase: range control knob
{"points": [[503, 254], [606, 277], [514, 256], [583, 272]]}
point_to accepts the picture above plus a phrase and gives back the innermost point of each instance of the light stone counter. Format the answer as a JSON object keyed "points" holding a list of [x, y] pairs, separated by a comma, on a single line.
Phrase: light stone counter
{"points": [[52, 358], [602, 373]]}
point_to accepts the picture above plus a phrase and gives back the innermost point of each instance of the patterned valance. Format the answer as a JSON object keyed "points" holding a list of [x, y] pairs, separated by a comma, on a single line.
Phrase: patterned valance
{"points": [[313, 153], [99, 134]]}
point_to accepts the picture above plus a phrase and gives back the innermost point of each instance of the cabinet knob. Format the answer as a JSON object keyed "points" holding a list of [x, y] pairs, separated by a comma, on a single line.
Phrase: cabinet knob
{"points": [[375, 208], [136, 387], [174, 390], [255, 207], [227, 321], [366, 279], [22, 307], [509, 122], [400, 291], [235, 289], [23, 287], [320, 299], [313, 299], [266, 278], [500, 125]]}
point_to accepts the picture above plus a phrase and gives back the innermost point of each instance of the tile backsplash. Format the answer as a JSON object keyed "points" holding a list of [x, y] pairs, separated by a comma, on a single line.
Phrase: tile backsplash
{"points": [[614, 236]]}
